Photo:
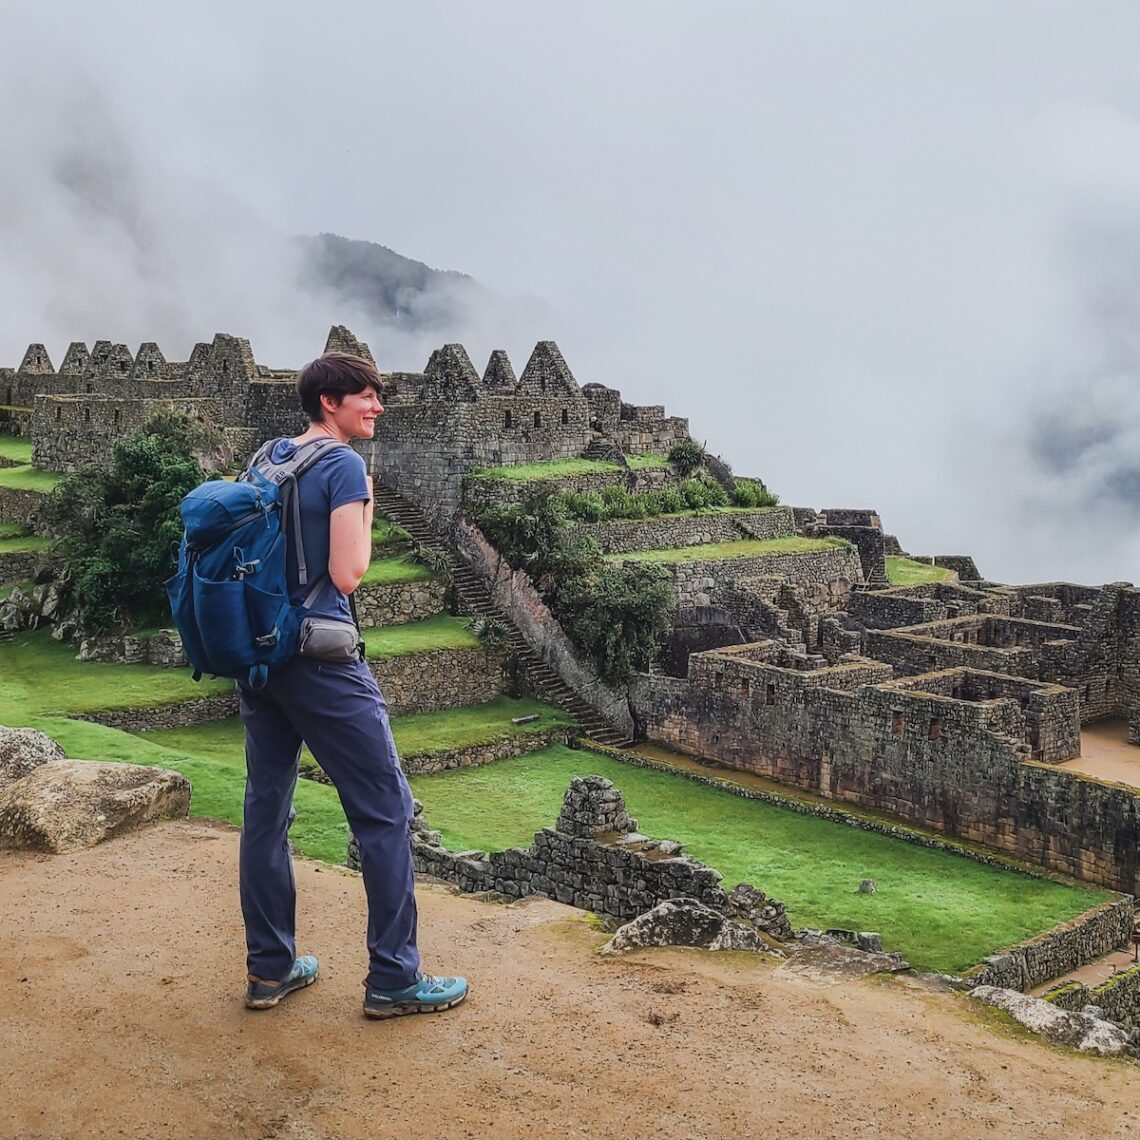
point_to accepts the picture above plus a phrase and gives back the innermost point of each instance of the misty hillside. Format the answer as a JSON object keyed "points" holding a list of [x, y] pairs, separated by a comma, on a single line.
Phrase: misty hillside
{"points": [[385, 284]]}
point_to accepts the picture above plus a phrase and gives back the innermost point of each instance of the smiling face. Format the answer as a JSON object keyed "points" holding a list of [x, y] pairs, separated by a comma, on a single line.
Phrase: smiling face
{"points": [[354, 415]]}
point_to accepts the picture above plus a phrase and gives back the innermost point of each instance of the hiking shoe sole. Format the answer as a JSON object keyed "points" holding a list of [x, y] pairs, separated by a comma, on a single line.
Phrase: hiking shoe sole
{"points": [[261, 996], [403, 1008]]}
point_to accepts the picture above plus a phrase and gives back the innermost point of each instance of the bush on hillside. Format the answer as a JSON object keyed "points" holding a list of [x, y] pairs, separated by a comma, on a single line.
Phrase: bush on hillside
{"points": [[118, 526], [753, 493], [685, 457]]}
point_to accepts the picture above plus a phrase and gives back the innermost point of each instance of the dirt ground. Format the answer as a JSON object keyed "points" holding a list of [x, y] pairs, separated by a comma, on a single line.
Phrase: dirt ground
{"points": [[1106, 753], [121, 969]]}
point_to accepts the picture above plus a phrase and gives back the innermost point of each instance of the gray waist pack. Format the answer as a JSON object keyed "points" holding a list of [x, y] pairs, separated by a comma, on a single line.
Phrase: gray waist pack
{"points": [[329, 640]]}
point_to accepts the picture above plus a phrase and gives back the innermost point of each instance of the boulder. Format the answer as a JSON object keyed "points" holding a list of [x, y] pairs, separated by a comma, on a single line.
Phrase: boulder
{"points": [[684, 922], [1058, 1026], [23, 750], [66, 805]]}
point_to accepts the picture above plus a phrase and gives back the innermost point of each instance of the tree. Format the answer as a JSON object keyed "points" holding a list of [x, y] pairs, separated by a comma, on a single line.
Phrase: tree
{"points": [[118, 526]]}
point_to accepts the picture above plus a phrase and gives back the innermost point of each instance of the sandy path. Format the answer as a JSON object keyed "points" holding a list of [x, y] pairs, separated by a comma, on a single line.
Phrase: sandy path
{"points": [[122, 972]]}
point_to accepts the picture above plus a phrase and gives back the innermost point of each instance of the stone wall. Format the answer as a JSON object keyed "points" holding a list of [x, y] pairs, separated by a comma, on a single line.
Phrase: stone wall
{"points": [[1058, 951], [957, 766], [594, 859], [621, 536], [181, 714], [440, 679], [1118, 997], [696, 583], [15, 566], [69, 432], [397, 603], [21, 507], [478, 490], [163, 649]]}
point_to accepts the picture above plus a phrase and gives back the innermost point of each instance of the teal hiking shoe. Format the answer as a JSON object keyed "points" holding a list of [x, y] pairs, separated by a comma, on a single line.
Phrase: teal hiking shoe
{"points": [[427, 994], [265, 995]]}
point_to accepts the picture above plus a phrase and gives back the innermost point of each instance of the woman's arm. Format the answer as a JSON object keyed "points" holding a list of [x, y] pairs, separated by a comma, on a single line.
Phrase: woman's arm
{"points": [[350, 542]]}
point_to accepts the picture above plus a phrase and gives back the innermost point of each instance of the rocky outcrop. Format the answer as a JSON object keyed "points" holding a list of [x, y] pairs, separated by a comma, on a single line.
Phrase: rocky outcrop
{"points": [[684, 922], [66, 805], [1080, 1031], [23, 750]]}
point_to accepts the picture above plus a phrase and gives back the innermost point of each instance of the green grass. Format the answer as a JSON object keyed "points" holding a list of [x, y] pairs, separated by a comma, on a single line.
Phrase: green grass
{"points": [[28, 478], [750, 548], [440, 631], [389, 571], [944, 912], [40, 677], [387, 533], [907, 572], [551, 469], [26, 586], [14, 447], [13, 529], [646, 462], [21, 544]]}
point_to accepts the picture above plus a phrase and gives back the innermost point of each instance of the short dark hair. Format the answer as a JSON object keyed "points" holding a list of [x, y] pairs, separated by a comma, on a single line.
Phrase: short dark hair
{"points": [[336, 374]]}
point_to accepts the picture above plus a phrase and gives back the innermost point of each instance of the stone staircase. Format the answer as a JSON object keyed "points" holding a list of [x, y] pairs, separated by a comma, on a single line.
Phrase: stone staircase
{"points": [[545, 682]]}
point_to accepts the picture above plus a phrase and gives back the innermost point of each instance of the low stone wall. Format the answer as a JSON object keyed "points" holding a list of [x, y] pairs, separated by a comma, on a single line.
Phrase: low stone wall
{"points": [[1119, 997], [181, 714], [477, 490], [622, 536], [1060, 950], [17, 565], [21, 506], [440, 679], [163, 649], [1134, 725], [593, 860], [399, 602], [502, 748]]}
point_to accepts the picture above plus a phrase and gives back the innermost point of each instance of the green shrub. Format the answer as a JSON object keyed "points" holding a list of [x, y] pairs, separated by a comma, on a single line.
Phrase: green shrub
{"points": [[618, 502], [672, 501], [594, 507], [695, 493], [119, 525], [619, 615], [715, 494], [686, 457], [753, 493]]}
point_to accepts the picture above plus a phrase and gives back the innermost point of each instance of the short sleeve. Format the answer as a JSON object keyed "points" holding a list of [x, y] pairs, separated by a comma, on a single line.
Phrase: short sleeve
{"points": [[345, 474]]}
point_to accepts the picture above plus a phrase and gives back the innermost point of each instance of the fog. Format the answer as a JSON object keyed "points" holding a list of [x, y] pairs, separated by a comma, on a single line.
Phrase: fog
{"points": [[884, 254]]}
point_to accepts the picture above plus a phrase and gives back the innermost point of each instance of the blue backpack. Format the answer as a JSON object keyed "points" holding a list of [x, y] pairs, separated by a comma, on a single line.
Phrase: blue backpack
{"points": [[230, 596]]}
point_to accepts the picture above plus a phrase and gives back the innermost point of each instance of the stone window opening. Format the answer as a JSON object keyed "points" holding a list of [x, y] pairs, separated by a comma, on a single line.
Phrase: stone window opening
{"points": [[90, 387], [935, 728], [770, 695], [115, 416], [538, 419], [1088, 693], [896, 721], [58, 412], [86, 415], [565, 416], [507, 418], [718, 681], [746, 688]]}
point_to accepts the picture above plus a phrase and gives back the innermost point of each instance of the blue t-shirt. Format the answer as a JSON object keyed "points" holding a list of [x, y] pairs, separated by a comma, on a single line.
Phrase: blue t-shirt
{"points": [[338, 477]]}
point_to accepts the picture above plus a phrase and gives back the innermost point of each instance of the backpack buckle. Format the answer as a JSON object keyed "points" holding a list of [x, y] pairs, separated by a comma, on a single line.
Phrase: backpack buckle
{"points": [[267, 640]]}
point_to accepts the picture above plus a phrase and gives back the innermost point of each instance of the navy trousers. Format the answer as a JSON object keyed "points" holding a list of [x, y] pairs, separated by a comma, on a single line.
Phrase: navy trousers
{"points": [[338, 711]]}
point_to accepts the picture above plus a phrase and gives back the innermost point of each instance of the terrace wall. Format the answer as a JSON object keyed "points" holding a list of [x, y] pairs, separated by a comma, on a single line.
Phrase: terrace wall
{"points": [[953, 765], [440, 679], [1058, 951], [397, 603], [622, 536]]}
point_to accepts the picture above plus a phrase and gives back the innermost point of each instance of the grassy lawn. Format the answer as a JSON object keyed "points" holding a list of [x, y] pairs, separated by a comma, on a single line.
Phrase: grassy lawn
{"points": [[28, 478], [646, 462], [751, 548], [942, 911], [440, 631], [17, 448], [907, 572], [415, 735], [551, 469], [40, 677], [387, 571], [23, 543]]}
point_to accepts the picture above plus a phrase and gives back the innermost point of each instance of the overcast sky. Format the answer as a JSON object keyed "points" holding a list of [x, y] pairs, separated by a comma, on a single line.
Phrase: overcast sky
{"points": [[882, 254]]}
